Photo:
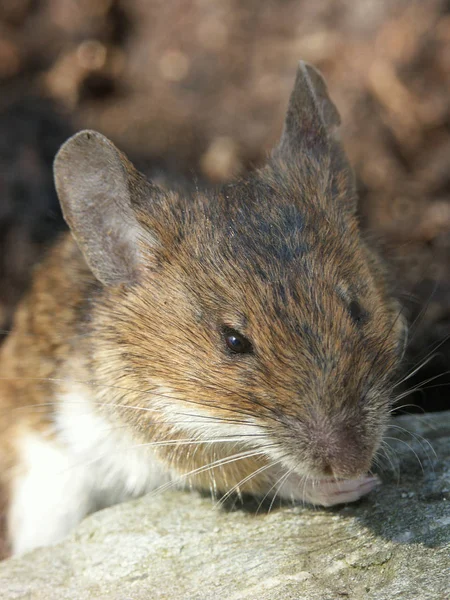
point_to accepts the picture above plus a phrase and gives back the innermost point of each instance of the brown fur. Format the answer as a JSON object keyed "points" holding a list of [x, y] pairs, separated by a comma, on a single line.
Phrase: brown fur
{"points": [[277, 256], [32, 355], [312, 364]]}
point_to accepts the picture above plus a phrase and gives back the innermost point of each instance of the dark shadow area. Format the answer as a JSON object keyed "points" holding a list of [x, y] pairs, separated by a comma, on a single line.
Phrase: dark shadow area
{"points": [[31, 131]]}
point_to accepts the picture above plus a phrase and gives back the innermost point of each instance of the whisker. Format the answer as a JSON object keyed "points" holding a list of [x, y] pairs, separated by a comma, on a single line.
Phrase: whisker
{"points": [[394, 465], [420, 386], [412, 450], [212, 418], [82, 402], [213, 465], [419, 438], [270, 489], [126, 389], [192, 442], [162, 443], [422, 313], [423, 364], [113, 428], [281, 481], [274, 414], [382, 345], [236, 487], [396, 409], [382, 454], [304, 481], [411, 297], [193, 419], [431, 355]]}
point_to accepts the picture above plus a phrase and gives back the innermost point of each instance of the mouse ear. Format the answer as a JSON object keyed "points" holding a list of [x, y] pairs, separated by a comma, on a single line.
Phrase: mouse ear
{"points": [[312, 118], [96, 185]]}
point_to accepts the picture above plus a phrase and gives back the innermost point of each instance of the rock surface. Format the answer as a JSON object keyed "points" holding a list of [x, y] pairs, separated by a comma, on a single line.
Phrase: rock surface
{"points": [[394, 544]]}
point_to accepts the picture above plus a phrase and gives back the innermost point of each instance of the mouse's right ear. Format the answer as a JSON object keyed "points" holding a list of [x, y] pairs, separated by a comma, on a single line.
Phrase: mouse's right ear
{"points": [[311, 131], [97, 187], [312, 120]]}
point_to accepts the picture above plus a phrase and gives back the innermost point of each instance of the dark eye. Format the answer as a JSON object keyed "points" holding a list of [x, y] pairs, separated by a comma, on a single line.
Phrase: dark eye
{"points": [[356, 312], [236, 342]]}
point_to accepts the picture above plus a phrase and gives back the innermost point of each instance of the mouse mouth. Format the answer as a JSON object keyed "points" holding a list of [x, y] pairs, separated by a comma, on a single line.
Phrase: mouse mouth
{"points": [[327, 479]]}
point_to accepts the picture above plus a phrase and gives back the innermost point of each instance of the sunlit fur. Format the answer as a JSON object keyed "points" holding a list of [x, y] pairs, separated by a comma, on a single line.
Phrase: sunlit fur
{"points": [[278, 256]]}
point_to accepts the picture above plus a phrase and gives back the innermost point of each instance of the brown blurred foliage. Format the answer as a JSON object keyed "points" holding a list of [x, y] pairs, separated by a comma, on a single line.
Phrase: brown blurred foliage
{"points": [[202, 86]]}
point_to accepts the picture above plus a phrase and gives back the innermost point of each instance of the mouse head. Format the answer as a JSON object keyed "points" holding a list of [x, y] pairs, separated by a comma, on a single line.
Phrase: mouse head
{"points": [[255, 311]]}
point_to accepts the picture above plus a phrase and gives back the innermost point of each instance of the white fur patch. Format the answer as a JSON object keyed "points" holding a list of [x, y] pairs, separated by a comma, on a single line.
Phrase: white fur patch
{"points": [[48, 497], [83, 466], [121, 467]]}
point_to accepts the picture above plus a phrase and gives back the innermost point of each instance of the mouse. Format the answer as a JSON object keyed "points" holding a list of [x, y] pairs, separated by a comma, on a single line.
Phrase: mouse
{"points": [[242, 339]]}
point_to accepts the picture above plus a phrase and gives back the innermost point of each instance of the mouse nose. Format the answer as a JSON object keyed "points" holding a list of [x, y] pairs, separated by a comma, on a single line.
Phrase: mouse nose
{"points": [[327, 470], [338, 470], [342, 463], [339, 453]]}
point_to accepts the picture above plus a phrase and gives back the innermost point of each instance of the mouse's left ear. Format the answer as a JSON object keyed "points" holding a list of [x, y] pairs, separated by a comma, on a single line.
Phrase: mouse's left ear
{"points": [[100, 191]]}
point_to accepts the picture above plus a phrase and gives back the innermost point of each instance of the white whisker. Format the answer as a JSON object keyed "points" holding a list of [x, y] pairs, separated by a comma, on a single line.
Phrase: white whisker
{"points": [[281, 481], [415, 370], [236, 487], [412, 450], [419, 438], [213, 465]]}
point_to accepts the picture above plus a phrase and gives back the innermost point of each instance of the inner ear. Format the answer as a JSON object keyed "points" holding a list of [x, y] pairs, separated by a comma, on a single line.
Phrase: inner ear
{"points": [[97, 187]]}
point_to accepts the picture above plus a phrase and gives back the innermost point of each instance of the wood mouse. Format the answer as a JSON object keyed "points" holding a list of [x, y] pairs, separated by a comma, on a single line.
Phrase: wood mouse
{"points": [[242, 340]]}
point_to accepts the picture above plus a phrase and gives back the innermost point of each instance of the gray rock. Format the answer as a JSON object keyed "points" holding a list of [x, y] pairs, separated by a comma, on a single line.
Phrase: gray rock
{"points": [[394, 544]]}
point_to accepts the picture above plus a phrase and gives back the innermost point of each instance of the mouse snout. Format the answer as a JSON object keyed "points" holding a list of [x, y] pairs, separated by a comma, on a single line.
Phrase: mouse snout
{"points": [[338, 451]]}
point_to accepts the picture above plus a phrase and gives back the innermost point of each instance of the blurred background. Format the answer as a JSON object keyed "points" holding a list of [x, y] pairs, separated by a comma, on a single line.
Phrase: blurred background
{"points": [[201, 86]]}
